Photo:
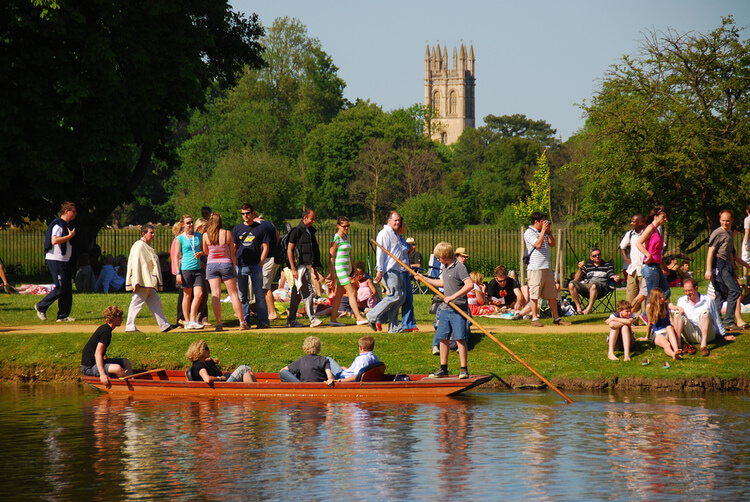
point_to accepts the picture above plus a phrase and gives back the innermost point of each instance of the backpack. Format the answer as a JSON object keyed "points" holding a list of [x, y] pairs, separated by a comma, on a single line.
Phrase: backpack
{"points": [[281, 258]]}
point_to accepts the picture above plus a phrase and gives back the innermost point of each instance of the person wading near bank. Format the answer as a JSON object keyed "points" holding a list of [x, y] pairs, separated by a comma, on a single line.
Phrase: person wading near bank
{"points": [[143, 278], [302, 240], [59, 249], [541, 281]]}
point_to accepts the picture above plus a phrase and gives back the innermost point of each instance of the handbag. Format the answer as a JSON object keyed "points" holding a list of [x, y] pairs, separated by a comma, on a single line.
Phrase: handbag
{"points": [[527, 256]]}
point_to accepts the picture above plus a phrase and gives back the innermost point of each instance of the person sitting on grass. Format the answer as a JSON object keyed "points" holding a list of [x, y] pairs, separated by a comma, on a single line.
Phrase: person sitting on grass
{"points": [[94, 360], [309, 368], [365, 358], [455, 279], [207, 369], [620, 323], [660, 321]]}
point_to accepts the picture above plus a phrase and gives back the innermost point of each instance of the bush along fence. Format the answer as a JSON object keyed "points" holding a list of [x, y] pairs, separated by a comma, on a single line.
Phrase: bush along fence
{"points": [[23, 256]]}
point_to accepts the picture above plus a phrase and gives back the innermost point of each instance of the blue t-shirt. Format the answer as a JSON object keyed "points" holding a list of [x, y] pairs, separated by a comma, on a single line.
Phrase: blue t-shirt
{"points": [[189, 246], [248, 240]]}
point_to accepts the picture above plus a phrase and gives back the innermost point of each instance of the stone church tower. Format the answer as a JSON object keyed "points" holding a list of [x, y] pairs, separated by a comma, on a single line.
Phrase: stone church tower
{"points": [[449, 92]]}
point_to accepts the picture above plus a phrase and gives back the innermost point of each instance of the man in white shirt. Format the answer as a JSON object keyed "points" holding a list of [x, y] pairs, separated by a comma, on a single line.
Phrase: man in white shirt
{"points": [[699, 320], [745, 248], [541, 280], [58, 250], [636, 289], [390, 271]]}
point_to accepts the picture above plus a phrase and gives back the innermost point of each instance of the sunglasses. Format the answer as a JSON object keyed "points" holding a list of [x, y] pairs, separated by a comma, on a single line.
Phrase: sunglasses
{"points": [[596, 255], [246, 214]]}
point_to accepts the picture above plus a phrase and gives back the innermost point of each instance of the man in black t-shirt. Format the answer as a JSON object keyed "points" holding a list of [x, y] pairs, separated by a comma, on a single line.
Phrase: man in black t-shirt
{"points": [[253, 244], [94, 360], [309, 368], [504, 291]]}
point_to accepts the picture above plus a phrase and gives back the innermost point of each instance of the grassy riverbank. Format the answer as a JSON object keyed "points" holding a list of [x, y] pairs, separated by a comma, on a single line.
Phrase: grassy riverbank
{"points": [[574, 357]]}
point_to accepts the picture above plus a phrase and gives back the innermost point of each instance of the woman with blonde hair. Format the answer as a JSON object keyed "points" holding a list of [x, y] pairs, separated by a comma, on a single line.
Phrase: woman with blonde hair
{"points": [[207, 369], [341, 266], [476, 297], [190, 277], [218, 245], [660, 325]]}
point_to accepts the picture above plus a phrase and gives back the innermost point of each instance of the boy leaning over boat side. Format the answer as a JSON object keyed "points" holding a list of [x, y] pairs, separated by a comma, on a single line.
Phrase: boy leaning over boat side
{"points": [[365, 358], [309, 368], [454, 278], [94, 360]]}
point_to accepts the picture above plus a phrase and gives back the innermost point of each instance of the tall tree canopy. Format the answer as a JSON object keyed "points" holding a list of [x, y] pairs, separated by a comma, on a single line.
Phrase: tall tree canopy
{"points": [[91, 89], [267, 116], [671, 125]]}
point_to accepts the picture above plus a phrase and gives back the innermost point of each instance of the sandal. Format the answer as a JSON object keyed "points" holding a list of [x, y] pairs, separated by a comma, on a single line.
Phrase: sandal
{"points": [[689, 349]]}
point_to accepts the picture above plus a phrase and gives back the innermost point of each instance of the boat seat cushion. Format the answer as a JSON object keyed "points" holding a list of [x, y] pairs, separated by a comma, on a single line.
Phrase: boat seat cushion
{"points": [[371, 373]]}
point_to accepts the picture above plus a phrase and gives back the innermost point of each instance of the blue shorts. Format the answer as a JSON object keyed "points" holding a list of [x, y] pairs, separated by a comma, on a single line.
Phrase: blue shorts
{"points": [[223, 271], [94, 370], [451, 321]]}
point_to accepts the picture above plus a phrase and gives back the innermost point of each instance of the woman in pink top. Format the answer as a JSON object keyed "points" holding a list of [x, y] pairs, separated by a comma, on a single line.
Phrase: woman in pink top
{"points": [[219, 248], [650, 244]]}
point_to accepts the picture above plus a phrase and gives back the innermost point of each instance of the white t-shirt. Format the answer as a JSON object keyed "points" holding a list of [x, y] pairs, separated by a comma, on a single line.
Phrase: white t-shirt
{"points": [[636, 257], [745, 253], [55, 252]]}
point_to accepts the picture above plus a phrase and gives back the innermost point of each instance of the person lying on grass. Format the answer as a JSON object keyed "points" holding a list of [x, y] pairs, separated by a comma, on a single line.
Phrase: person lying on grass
{"points": [[620, 323], [660, 321], [207, 369], [94, 360]]}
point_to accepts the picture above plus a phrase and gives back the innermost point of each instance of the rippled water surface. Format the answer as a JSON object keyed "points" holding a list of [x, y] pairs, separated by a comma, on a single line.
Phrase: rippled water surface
{"points": [[71, 443]]}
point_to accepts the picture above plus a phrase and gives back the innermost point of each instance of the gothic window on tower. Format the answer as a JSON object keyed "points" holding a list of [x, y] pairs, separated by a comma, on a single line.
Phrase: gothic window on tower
{"points": [[453, 103], [444, 137], [436, 103]]}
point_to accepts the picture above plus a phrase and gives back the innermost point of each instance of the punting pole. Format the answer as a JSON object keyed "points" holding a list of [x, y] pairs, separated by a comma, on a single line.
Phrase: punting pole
{"points": [[142, 373], [479, 326]]}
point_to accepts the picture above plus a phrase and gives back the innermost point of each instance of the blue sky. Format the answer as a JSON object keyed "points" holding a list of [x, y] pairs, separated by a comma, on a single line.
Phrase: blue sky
{"points": [[539, 58]]}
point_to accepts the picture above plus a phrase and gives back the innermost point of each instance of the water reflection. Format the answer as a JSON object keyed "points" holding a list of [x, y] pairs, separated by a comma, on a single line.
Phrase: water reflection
{"points": [[77, 445]]}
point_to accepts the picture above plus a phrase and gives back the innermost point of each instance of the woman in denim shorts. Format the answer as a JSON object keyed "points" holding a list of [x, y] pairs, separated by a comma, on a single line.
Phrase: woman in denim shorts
{"points": [[218, 245]]}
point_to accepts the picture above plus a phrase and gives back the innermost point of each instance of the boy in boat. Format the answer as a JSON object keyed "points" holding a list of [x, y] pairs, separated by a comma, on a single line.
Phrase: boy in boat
{"points": [[454, 278], [365, 358], [94, 360], [309, 368]]}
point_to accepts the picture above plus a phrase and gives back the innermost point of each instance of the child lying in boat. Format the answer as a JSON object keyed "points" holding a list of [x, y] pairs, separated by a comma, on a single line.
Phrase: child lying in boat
{"points": [[309, 368], [207, 369]]}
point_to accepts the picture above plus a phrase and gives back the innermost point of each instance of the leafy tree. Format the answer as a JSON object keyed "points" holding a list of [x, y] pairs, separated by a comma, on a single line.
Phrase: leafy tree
{"points": [[332, 149], [375, 177], [670, 126], [433, 211], [518, 126], [271, 111], [91, 90], [538, 199]]}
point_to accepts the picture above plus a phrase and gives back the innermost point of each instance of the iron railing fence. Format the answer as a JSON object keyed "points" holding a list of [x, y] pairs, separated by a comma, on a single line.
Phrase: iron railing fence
{"points": [[22, 255]]}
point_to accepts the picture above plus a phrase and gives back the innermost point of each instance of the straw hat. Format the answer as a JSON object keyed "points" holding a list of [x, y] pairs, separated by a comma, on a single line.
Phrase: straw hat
{"points": [[461, 252], [410, 240]]}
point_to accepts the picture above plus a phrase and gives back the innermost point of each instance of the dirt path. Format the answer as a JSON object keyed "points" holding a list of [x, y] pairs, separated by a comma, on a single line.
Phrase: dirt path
{"points": [[75, 327]]}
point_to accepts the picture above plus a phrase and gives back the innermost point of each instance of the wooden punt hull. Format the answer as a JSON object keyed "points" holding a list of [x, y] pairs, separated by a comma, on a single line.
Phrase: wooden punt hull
{"points": [[174, 383]]}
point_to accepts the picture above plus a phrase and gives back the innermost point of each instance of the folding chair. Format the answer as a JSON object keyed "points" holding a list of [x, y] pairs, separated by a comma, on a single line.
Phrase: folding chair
{"points": [[605, 303], [432, 271]]}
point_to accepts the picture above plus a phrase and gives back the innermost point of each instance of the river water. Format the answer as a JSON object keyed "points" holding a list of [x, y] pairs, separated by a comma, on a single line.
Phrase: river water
{"points": [[66, 442]]}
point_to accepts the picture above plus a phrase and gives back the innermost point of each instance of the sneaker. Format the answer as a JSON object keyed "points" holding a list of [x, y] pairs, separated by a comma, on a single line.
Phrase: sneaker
{"points": [[193, 325], [435, 350], [411, 330], [66, 319], [41, 315], [295, 324], [527, 317], [463, 374], [560, 322], [336, 324], [219, 327], [263, 326], [537, 324], [439, 374], [362, 322], [644, 318], [315, 323], [133, 331], [373, 325]]}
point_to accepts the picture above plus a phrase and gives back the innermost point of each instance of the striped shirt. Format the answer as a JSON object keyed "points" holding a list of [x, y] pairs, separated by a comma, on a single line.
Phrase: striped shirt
{"points": [[539, 259]]}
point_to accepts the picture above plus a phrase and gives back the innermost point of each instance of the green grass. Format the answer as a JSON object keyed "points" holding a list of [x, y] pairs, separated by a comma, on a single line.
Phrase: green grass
{"points": [[553, 354]]}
